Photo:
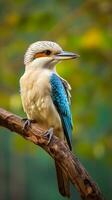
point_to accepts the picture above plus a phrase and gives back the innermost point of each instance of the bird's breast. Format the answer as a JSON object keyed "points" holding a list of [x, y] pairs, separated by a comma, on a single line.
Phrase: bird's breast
{"points": [[36, 99], [35, 87]]}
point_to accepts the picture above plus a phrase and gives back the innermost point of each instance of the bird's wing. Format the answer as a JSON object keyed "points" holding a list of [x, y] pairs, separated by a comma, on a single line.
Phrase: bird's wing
{"points": [[67, 88], [62, 105]]}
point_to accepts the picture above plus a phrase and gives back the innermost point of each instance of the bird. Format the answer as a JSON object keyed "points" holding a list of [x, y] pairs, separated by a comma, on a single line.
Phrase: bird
{"points": [[46, 96]]}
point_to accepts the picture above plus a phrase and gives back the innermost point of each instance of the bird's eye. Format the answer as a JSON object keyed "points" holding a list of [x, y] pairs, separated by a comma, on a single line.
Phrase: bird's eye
{"points": [[47, 52], [42, 54]]}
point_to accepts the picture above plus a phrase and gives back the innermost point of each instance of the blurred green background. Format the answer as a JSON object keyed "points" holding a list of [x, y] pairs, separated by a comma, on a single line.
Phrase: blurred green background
{"points": [[26, 171]]}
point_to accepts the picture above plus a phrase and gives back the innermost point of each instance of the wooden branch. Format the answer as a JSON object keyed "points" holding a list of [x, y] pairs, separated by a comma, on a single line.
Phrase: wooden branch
{"points": [[59, 151]]}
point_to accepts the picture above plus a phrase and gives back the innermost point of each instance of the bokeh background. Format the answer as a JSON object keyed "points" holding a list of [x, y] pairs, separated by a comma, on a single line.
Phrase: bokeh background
{"points": [[26, 171]]}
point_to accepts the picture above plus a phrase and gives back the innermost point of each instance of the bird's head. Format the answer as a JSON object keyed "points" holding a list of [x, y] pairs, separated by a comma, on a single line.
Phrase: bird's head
{"points": [[45, 54]]}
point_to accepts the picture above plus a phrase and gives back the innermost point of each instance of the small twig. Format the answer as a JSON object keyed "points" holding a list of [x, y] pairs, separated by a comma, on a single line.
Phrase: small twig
{"points": [[59, 151]]}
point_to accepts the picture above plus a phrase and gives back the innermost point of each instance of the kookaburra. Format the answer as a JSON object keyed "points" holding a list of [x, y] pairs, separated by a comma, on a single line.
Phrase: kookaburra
{"points": [[46, 96]]}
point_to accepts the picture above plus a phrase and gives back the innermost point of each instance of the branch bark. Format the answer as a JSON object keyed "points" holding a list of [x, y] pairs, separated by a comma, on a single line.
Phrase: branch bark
{"points": [[58, 150]]}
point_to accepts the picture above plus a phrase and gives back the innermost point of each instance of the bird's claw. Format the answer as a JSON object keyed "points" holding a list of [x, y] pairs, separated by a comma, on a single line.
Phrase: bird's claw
{"points": [[48, 134], [27, 123]]}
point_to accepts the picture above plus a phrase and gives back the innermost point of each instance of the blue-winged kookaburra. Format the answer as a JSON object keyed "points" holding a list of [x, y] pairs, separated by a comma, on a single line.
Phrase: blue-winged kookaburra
{"points": [[45, 95]]}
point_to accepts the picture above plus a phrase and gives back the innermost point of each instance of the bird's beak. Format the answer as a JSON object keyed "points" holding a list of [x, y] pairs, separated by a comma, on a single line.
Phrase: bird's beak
{"points": [[65, 55]]}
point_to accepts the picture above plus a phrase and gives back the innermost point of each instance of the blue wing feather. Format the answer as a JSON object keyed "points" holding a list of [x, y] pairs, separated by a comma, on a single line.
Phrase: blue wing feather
{"points": [[61, 103]]}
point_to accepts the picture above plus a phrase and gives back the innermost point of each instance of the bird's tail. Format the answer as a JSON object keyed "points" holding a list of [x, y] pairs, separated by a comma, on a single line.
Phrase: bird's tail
{"points": [[63, 181]]}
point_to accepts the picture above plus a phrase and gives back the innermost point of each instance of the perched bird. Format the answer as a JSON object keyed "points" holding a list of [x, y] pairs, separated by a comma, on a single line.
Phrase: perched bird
{"points": [[46, 97]]}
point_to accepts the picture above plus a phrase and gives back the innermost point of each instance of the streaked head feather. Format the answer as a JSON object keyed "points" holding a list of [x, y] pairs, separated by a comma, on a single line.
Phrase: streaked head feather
{"points": [[39, 47]]}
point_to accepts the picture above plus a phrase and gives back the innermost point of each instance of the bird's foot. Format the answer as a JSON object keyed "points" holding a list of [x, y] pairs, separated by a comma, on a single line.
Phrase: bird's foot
{"points": [[27, 123], [48, 134]]}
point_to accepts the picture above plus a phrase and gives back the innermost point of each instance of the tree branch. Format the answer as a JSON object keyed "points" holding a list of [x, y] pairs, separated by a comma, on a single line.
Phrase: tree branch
{"points": [[59, 151]]}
